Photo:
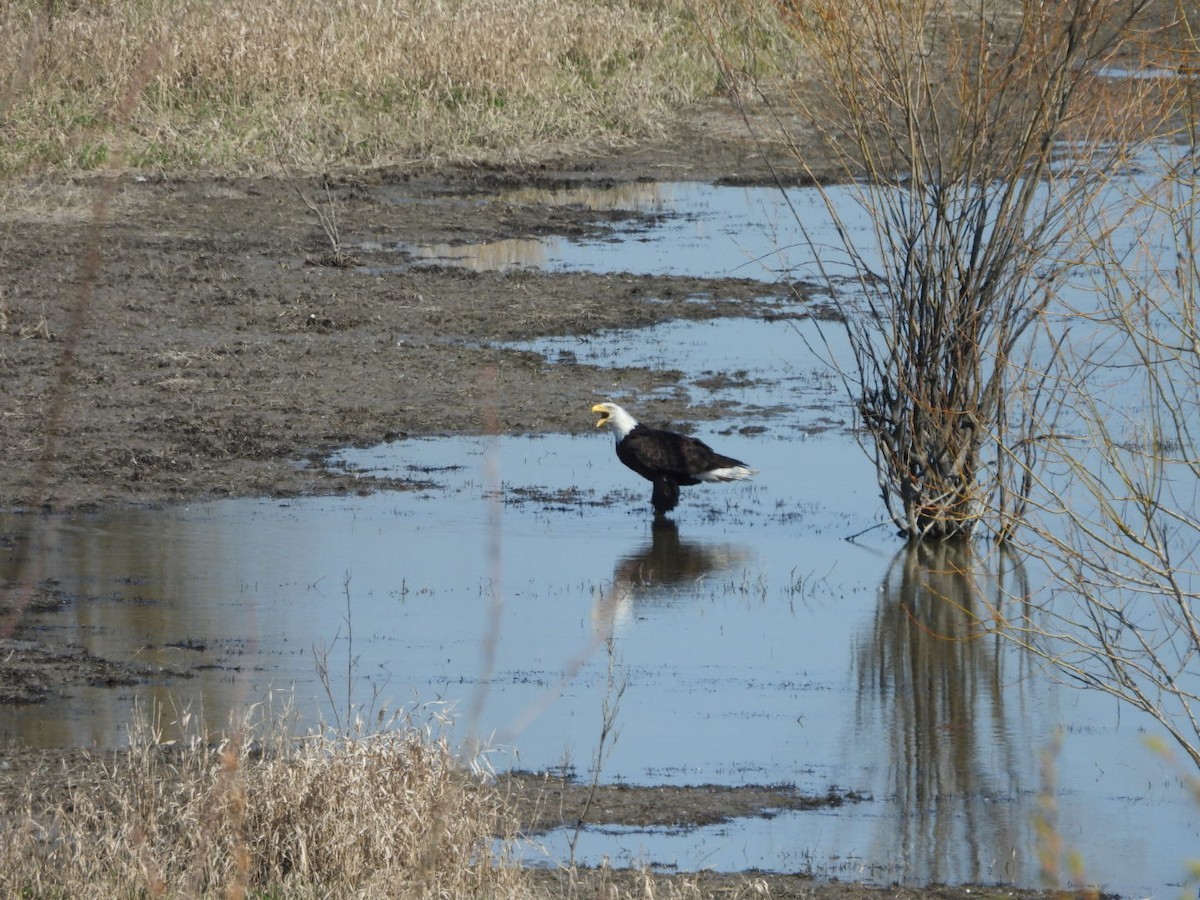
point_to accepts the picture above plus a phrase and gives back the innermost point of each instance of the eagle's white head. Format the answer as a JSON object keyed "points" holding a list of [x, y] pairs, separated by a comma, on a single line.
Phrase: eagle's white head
{"points": [[615, 418]]}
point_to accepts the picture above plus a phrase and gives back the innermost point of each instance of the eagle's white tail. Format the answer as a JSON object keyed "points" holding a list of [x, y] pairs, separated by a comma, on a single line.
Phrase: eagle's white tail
{"points": [[731, 473]]}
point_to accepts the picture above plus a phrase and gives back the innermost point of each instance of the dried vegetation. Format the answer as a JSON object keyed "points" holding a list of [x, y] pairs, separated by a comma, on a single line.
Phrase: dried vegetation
{"points": [[241, 85], [389, 812]]}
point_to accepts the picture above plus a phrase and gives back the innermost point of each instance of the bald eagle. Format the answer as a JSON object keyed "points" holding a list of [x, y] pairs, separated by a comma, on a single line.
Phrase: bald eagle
{"points": [[665, 458]]}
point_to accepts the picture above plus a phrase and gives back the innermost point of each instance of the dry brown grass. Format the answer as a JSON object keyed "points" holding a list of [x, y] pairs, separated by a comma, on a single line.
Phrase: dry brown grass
{"points": [[383, 813], [240, 83]]}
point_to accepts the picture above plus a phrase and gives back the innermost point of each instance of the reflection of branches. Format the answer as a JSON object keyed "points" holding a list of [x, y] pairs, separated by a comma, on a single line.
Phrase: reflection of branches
{"points": [[1121, 527], [933, 668]]}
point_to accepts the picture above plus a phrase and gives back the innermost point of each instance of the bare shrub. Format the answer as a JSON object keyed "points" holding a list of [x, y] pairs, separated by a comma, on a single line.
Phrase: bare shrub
{"points": [[1118, 524], [973, 134]]}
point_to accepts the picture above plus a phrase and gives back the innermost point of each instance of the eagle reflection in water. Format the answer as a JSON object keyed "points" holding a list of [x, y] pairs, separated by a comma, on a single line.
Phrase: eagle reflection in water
{"points": [[662, 569]]}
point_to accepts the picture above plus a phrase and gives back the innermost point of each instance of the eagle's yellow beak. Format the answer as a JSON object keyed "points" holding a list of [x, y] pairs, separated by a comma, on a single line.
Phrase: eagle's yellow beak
{"points": [[599, 408]]}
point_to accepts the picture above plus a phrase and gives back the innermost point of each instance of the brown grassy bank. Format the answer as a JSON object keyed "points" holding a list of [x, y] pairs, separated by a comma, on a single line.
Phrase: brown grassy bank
{"points": [[254, 813], [258, 812], [248, 84]]}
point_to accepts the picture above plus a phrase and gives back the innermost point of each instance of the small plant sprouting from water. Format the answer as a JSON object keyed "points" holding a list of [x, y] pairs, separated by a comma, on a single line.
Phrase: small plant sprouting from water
{"points": [[806, 586], [616, 681], [345, 715]]}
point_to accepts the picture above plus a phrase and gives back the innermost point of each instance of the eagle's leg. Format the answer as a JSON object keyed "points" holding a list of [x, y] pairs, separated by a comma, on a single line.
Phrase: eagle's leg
{"points": [[665, 497]]}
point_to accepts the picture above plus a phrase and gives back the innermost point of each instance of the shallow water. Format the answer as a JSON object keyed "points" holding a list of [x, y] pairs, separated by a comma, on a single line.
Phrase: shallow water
{"points": [[757, 645], [699, 230], [754, 642], [780, 372]]}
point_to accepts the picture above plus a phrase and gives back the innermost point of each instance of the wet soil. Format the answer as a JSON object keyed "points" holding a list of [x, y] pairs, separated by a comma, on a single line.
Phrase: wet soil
{"points": [[166, 339], [546, 802], [169, 339]]}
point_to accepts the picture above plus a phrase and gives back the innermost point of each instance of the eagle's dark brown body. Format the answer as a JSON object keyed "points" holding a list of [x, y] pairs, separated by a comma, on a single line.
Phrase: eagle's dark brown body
{"points": [[665, 458]]}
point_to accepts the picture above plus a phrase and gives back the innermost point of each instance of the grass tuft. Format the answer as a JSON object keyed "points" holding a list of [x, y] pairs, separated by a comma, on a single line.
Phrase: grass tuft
{"points": [[259, 813]]}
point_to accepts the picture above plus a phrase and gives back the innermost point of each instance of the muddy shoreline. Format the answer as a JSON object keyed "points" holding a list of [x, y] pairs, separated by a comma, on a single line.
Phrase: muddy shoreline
{"points": [[168, 339]]}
